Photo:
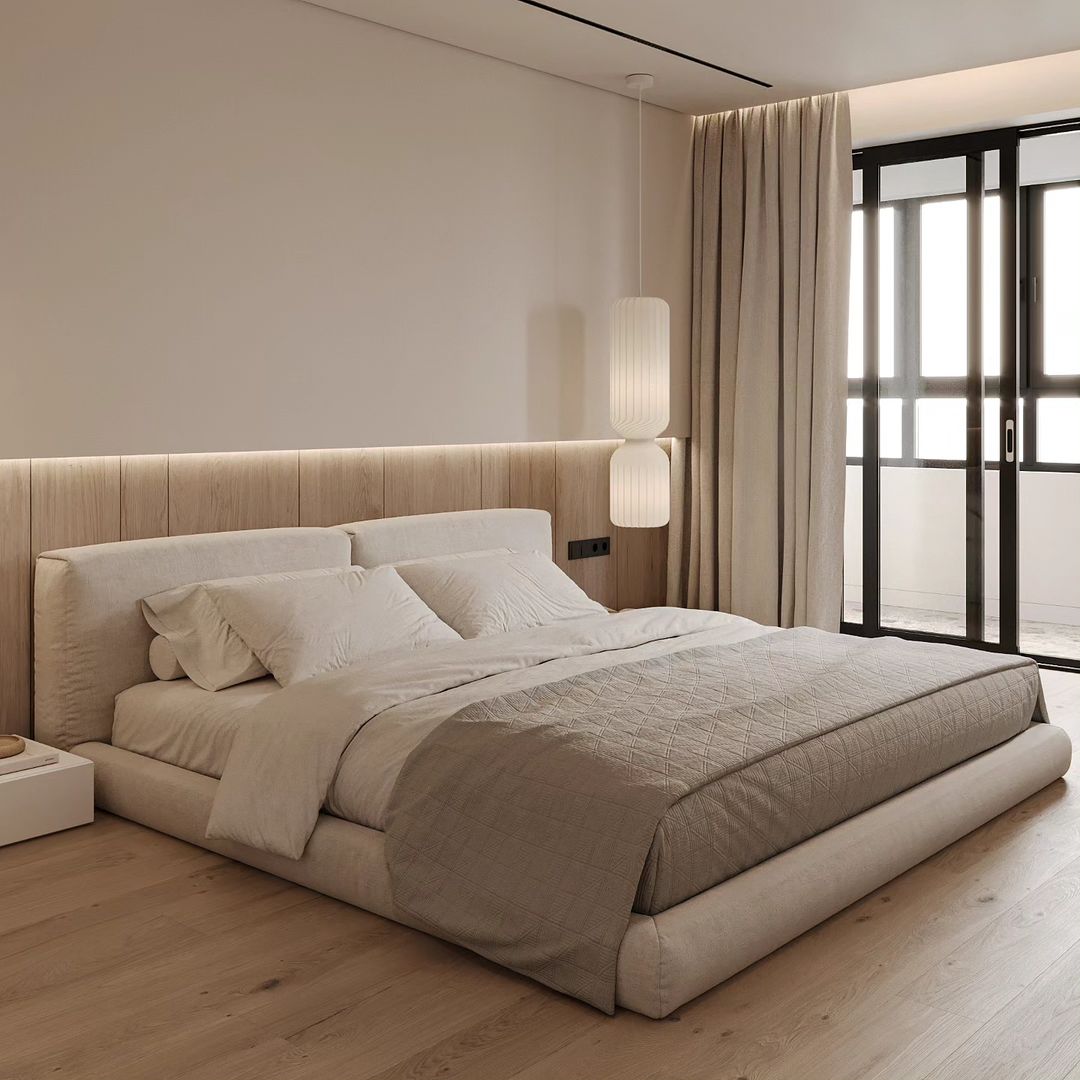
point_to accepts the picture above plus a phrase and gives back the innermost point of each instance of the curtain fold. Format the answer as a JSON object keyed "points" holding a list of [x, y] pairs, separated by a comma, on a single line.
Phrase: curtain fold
{"points": [[758, 506]]}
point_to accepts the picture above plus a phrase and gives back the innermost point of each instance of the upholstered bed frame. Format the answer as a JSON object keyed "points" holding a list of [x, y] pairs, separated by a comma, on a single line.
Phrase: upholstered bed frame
{"points": [[92, 643]]}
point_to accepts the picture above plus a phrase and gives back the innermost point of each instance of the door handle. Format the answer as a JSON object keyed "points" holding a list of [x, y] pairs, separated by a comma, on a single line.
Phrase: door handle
{"points": [[1010, 440]]}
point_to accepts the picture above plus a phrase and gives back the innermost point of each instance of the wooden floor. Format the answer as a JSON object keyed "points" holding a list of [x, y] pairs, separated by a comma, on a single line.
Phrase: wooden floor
{"points": [[126, 954]]}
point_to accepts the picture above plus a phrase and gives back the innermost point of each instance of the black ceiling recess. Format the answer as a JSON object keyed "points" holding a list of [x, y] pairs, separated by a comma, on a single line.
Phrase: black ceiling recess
{"points": [[643, 41]]}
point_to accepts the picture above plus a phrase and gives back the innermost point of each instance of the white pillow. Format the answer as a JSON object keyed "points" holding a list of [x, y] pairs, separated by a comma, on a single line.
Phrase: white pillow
{"points": [[308, 622], [211, 653], [163, 662], [496, 593], [451, 558]]}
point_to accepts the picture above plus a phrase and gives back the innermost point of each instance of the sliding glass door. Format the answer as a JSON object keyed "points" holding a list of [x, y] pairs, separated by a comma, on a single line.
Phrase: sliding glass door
{"points": [[963, 519], [932, 392], [1050, 472]]}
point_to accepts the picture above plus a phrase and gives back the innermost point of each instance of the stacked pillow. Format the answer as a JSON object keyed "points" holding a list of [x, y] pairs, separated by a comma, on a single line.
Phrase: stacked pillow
{"points": [[300, 624], [292, 625], [496, 592]]}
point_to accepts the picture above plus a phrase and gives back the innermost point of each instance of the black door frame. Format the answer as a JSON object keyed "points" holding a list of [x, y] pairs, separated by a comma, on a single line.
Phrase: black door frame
{"points": [[1015, 351], [971, 147]]}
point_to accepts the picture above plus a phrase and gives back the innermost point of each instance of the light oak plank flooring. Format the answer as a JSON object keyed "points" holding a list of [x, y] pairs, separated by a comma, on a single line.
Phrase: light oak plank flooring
{"points": [[127, 954]]}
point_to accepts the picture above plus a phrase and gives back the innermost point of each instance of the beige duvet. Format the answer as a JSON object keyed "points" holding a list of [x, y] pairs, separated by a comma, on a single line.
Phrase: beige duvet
{"points": [[546, 788]]}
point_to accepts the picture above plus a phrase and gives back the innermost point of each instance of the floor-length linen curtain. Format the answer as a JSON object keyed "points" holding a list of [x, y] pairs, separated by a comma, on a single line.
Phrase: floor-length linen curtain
{"points": [[758, 492]]}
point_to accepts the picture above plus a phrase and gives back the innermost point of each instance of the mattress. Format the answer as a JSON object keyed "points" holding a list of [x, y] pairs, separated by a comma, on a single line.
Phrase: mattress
{"points": [[182, 725]]}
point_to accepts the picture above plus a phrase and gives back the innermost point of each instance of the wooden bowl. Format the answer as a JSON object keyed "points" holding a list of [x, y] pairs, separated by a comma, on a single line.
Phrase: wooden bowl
{"points": [[10, 745]]}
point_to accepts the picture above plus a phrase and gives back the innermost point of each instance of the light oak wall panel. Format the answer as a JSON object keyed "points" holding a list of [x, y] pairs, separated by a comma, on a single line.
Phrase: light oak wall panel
{"points": [[641, 566], [219, 492], [582, 512], [433, 479], [494, 475], [15, 616], [339, 486], [74, 502], [642, 562], [532, 476], [144, 496]]}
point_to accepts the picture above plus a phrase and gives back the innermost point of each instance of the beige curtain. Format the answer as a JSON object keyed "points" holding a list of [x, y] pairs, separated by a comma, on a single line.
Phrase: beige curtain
{"points": [[758, 506]]}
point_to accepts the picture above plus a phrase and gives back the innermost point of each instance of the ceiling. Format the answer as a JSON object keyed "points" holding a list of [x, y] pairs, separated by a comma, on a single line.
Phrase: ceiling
{"points": [[799, 47]]}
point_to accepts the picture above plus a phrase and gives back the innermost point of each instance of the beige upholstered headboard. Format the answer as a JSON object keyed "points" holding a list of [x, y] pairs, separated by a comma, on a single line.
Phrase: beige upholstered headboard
{"points": [[421, 536], [91, 640]]}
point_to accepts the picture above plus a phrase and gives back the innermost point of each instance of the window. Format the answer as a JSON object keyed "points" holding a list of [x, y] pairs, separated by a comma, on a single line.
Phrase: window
{"points": [[941, 429], [886, 293], [1061, 281], [923, 343], [943, 288], [890, 427], [1059, 431]]}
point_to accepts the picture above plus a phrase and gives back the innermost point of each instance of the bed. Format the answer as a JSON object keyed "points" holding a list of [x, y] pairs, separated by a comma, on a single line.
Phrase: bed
{"points": [[708, 902]]}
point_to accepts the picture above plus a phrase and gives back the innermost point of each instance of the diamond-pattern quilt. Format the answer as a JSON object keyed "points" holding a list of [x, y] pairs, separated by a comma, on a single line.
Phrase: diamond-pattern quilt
{"points": [[528, 826]]}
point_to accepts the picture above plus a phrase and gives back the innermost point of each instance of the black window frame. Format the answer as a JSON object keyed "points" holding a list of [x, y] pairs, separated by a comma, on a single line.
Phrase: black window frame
{"points": [[908, 385], [1022, 381]]}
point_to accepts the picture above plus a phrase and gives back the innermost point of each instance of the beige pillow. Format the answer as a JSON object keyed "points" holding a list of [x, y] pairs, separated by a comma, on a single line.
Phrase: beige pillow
{"points": [[306, 623], [211, 653], [498, 592], [163, 662]]}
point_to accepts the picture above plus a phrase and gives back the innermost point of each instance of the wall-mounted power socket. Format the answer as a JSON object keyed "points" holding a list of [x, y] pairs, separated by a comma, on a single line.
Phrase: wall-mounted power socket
{"points": [[589, 549]]}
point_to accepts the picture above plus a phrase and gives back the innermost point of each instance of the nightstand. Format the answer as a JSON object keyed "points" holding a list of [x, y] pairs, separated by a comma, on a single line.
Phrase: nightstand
{"points": [[46, 799]]}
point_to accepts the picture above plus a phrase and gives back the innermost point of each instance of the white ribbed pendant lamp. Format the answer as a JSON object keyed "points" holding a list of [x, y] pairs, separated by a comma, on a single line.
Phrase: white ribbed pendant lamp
{"points": [[640, 389]]}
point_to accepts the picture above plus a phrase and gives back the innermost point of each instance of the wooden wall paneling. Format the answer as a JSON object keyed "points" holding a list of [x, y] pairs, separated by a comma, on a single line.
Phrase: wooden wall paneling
{"points": [[433, 479], [532, 476], [219, 492], [16, 655], [642, 562], [339, 486], [74, 501], [641, 558], [494, 475], [582, 512], [144, 496]]}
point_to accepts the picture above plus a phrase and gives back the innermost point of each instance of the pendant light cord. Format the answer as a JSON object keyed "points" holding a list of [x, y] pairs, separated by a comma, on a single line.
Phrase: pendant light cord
{"points": [[640, 214]]}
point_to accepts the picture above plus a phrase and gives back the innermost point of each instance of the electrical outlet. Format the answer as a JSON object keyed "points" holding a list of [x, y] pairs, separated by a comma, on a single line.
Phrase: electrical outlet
{"points": [[589, 549]]}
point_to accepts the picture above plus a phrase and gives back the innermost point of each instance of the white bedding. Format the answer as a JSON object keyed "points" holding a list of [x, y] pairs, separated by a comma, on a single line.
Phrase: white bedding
{"points": [[340, 739], [182, 724], [179, 723]]}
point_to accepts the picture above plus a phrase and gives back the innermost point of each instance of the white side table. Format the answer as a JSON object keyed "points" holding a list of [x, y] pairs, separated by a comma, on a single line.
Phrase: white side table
{"points": [[46, 799]]}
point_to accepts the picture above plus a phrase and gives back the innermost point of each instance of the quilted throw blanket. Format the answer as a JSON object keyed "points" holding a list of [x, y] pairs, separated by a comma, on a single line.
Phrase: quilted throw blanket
{"points": [[520, 826]]}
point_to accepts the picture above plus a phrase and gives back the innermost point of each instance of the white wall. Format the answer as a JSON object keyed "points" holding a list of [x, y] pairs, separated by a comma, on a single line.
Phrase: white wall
{"points": [[257, 224], [923, 541]]}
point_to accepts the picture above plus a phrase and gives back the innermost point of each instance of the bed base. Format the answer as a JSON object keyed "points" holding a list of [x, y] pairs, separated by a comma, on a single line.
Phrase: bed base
{"points": [[667, 959]]}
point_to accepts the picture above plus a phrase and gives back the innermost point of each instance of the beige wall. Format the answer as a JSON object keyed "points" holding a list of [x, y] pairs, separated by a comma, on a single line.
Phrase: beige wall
{"points": [[257, 224]]}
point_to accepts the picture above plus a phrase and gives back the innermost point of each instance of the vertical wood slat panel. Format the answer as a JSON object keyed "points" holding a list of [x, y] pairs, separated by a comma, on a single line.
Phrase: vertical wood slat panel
{"points": [[532, 476], [220, 492], [144, 496], [16, 651], [340, 486], [433, 479], [582, 511], [642, 562], [641, 566], [494, 475], [74, 502]]}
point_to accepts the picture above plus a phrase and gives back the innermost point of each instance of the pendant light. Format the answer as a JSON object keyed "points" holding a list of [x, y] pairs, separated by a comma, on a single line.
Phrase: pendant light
{"points": [[640, 389]]}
